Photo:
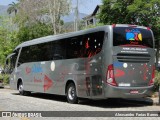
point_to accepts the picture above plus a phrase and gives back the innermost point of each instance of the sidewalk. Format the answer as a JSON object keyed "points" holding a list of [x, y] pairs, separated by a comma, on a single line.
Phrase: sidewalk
{"points": [[6, 86], [155, 101]]}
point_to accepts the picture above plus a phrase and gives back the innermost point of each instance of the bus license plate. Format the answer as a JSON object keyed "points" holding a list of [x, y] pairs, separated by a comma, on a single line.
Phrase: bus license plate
{"points": [[134, 92]]}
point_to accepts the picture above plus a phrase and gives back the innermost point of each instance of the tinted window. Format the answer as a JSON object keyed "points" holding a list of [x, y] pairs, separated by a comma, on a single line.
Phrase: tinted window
{"points": [[87, 45], [58, 50], [43, 52], [76, 47], [24, 56], [93, 43], [132, 36]]}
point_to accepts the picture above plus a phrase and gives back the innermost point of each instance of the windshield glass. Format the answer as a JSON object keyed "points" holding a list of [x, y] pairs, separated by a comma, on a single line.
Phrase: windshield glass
{"points": [[129, 36]]}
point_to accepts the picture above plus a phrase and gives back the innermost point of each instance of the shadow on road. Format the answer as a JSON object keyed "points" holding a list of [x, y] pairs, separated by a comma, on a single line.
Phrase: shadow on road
{"points": [[46, 96], [108, 103], [118, 103]]}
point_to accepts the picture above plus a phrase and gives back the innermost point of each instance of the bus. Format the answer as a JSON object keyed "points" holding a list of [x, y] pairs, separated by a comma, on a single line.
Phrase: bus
{"points": [[111, 61]]}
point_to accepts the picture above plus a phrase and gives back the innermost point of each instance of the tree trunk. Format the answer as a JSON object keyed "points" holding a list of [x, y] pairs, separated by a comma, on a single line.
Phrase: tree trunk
{"points": [[59, 16], [51, 15], [54, 17]]}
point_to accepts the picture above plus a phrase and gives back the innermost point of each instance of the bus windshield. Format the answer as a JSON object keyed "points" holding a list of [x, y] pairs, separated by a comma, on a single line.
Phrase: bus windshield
{"points": [[129, 36]]}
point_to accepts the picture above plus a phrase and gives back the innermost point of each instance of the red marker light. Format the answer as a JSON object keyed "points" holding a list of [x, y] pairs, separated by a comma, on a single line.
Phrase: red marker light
{"points": [[153, 76], [110, 79], [113, 25], [148, 28]]}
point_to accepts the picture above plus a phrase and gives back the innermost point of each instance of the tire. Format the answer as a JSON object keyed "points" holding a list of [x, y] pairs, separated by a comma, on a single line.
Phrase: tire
{"points": [[21, 90], [72, 94]]}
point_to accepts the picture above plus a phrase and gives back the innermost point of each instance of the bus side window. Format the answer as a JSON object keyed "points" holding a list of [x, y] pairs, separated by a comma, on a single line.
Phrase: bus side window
{"points": [[46, 49], [93, 43], [58, 50], [24, 56], [74, 47]]}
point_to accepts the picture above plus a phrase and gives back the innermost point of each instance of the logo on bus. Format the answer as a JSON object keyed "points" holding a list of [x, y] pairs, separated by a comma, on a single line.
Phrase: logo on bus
{"points": [[133, 35], [36, 68]]}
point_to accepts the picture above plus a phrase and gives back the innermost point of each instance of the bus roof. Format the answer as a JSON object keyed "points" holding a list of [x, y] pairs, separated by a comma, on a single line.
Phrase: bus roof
{"points": [[71, 34], [57, 37]]}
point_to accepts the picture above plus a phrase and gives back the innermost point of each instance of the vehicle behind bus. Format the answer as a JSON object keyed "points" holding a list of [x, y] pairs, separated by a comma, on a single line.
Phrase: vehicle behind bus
{"points": [[114, 61]]}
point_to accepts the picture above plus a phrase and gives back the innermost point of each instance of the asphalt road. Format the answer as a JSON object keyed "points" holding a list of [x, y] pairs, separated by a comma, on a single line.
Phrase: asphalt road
{"points": [[10, 100]]}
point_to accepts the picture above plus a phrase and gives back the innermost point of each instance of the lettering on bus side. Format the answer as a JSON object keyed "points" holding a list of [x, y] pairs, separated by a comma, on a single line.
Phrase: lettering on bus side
{"points": [[48, 83], [37, 80], [36, 68]]}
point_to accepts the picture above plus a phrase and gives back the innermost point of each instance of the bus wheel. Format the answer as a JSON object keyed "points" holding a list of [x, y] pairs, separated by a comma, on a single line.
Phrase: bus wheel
{"points": [[21, 90], [71, 94]]}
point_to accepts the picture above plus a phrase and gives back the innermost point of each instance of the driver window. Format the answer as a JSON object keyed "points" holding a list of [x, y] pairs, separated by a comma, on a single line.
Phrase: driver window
{"points": [[11, 63]]}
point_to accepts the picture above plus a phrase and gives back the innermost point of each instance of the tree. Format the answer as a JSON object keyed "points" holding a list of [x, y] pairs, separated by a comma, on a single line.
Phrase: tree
{"points": [[44, 11], [33, 31], [141, 12], [7, 40], [57, 8], [115, 11], [13, 8]]}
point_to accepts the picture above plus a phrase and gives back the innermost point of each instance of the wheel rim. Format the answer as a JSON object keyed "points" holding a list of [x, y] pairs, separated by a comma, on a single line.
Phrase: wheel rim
{"points": [[20, 88], [71, 93]]}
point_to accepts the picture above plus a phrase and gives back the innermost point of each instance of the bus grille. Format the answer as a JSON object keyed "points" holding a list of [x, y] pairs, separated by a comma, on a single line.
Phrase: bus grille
{"points": [[134, 58]]}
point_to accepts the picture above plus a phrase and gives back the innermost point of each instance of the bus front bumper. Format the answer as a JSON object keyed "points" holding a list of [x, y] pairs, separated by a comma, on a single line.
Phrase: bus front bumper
{"points": [[126, 92]]}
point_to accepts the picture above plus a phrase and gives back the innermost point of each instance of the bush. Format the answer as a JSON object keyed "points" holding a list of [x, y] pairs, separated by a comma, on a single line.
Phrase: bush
{"points": [[157, 81], [5, 78]]}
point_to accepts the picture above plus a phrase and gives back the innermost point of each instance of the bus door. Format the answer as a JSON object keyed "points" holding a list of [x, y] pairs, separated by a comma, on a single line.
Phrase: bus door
{"points": [[10, 69]]}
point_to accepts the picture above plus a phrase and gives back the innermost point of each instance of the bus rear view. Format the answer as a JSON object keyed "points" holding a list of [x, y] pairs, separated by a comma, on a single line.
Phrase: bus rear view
{"points": [[131, 73]]}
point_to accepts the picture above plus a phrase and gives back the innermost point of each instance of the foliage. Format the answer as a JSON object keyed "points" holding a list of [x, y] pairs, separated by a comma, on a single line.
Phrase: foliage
{"points": [[33, 31], [115, 11], [93, 26], [140, 12], [5, 78], [157, 81], [7, 40], [44, 11]]}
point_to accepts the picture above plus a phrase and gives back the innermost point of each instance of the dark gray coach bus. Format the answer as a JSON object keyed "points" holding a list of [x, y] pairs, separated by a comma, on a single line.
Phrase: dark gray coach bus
{"points": [[113, 61]]}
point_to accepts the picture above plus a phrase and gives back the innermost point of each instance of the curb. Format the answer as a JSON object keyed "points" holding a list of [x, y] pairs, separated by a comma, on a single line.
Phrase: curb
{"points": [[6, 86], [156, 101]]}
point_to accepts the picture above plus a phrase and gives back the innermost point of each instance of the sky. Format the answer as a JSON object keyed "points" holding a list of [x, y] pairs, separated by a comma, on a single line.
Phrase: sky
{"points": [[85, 6]]}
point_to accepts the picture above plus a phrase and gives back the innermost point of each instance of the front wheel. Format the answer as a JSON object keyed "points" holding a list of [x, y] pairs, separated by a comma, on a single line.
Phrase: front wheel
{"points": [[21, 90], [71, 94]]}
